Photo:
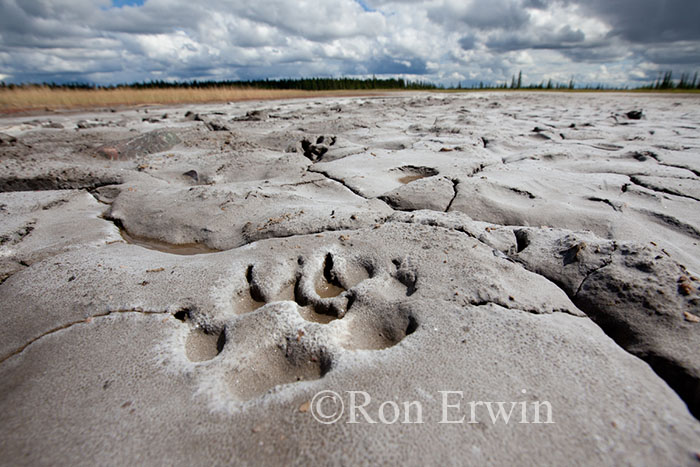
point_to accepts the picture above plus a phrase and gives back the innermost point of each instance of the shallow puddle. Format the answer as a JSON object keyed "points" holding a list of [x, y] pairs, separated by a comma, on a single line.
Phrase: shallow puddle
{"points": [[410, 178], [245, 303], [411, 173], [152, 244], [327, 286], [325, 289]]}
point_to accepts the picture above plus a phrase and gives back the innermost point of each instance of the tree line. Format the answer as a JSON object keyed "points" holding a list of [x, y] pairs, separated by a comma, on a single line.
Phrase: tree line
{"points": [[517, 83], [301, 84], [666, 81], [663, 82]]}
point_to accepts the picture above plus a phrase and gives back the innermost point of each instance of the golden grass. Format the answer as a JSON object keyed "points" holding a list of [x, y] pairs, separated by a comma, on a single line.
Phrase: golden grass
{"points": [[40, 97]]}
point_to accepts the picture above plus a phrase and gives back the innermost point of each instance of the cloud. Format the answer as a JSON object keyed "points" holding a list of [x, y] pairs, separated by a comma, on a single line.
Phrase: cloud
{"points": [[111, 41], [647, 21], [467, 42], [392, 66], [563, 38], [537, 4], [480, 14], [682, 53]]}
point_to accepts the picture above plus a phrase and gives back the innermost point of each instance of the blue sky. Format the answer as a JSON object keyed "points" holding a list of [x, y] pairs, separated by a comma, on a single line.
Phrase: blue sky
{"points": [[616, 43], [120, 3], [364, 5]]}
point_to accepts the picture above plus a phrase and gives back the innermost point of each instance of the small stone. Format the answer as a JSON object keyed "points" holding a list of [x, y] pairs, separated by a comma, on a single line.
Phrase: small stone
{"points": [[684, 286], [216, 125], [148, 143], [691, 317], [303, 408], [7, 140], [109, 152]]}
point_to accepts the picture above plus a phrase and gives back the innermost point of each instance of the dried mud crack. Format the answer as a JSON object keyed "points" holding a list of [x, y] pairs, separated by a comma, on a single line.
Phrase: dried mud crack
{"points": [[63, 327]]}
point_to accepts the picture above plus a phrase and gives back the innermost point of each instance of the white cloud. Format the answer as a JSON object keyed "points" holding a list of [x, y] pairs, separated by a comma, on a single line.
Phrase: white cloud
{"points": [[437, 40]]}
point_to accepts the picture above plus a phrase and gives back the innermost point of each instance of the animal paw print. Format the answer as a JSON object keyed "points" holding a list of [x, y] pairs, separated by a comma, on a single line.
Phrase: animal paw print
{"points": [[315, 148], [295, 318]]}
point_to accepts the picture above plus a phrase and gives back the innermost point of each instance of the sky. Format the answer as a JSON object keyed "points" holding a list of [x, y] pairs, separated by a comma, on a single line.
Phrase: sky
{"points": [[608, 42]]}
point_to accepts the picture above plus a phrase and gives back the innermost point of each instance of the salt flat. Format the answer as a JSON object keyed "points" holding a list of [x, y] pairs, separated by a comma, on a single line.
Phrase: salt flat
{"points": [[178, 284]]}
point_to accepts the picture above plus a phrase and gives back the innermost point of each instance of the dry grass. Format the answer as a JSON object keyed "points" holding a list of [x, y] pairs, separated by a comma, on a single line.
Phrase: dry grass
{"points": [[44, 97], [38, 97]]}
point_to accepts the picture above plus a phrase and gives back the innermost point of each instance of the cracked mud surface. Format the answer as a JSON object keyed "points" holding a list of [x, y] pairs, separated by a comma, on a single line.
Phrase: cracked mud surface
{"points": [[180, 282]]}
